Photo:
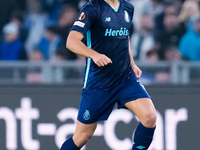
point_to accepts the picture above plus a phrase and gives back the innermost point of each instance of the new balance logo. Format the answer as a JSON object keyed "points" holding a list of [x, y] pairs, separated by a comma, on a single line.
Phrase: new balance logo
{"points": [[108, 19]]}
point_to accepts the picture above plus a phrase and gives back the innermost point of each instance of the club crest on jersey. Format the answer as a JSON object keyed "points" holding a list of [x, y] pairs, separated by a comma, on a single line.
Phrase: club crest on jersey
{"points": [[82, 16], [126, 17], [86, 115]]}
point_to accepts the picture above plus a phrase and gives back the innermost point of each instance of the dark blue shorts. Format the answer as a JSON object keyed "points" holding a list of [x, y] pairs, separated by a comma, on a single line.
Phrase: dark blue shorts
{"points": [[96, 105]]}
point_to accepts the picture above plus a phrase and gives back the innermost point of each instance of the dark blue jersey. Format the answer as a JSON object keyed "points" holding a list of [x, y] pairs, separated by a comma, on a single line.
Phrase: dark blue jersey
{"points": [[107, 32]]}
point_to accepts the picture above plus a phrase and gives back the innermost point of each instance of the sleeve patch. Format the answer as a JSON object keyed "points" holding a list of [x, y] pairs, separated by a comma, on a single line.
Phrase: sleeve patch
{"points": [[80, 24], [82, 16]]}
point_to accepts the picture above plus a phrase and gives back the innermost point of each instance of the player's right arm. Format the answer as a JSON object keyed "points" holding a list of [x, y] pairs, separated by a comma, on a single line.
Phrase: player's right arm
{"points": [[87, 17], [75, 45]]}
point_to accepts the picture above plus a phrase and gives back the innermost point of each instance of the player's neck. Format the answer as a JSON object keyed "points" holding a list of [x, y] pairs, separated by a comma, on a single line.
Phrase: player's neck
{"points": [[113, 3]]}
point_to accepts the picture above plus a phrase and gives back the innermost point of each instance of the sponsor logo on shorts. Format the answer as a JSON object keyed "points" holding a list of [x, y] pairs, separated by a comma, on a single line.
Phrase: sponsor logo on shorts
{"points": [[86, 115]]}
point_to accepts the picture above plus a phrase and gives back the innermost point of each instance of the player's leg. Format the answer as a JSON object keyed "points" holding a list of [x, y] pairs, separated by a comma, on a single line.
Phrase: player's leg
{"points": [[82, 134], [145, 111], [96, 105]]}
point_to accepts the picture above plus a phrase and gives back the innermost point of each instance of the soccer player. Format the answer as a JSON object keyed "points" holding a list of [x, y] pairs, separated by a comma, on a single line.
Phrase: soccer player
{"points": [[111, 76]]}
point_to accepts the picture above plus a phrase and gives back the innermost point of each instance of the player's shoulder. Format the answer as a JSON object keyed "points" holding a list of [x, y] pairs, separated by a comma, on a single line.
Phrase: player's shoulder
{"points": [[128, 5], [92, 5]]}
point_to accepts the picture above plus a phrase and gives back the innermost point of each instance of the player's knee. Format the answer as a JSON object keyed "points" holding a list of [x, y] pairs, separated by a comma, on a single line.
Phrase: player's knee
{"points": [[82, 138], [85, 137], [150, 119]]}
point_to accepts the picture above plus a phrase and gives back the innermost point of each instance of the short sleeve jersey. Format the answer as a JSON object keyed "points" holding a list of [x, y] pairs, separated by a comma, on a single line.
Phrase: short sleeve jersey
{"points": [[107, 32]]}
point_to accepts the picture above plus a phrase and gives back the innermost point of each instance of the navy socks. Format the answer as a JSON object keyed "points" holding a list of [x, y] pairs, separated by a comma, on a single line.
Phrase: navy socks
{"points": [[69, 145], [143, 137]]}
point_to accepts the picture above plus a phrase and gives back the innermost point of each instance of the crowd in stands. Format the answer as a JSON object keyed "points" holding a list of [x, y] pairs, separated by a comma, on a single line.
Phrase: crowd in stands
{"points": [[166, 30], [37, 29]]}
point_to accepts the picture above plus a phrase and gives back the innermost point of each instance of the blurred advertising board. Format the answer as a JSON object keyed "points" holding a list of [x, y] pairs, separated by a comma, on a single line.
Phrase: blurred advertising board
{"points": [[41, 117]]}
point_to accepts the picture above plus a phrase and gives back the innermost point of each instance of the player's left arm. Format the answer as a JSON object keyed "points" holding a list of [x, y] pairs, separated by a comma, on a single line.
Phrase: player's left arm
{"points": [[135, 68]]}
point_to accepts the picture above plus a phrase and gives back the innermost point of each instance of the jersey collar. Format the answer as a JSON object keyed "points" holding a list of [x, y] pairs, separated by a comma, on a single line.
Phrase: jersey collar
{"points": [[115, 9]]}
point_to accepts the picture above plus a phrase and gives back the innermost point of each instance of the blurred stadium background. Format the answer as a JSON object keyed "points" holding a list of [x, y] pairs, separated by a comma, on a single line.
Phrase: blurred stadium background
{"points": [[40, 80]]}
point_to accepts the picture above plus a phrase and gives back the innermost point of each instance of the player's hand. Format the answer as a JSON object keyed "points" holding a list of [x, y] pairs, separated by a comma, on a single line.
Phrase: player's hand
{"points": [[137, 71], [101, 59]]}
